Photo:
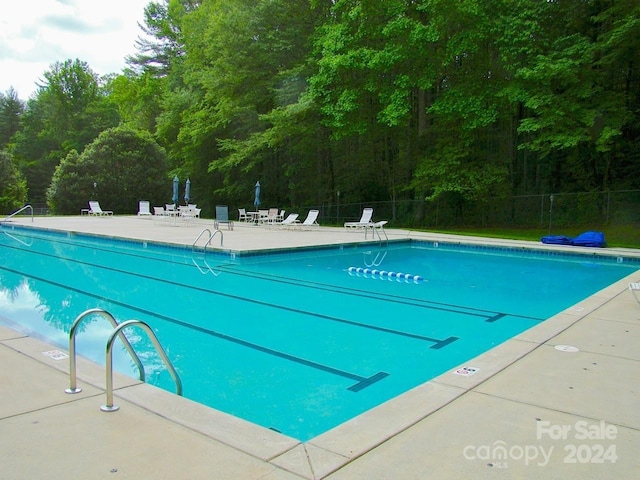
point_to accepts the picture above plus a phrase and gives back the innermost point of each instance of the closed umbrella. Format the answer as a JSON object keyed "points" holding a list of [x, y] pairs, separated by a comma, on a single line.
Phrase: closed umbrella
{"points": [[187, 191], [176, 182], [256, 201]]}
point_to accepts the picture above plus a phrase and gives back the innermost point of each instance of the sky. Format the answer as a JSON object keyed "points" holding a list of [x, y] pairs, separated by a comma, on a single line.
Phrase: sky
{"points": [[34, 34]]}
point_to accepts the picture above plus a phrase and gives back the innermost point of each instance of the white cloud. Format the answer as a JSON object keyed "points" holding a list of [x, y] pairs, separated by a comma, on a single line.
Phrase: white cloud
{"points": [[34, 34]]}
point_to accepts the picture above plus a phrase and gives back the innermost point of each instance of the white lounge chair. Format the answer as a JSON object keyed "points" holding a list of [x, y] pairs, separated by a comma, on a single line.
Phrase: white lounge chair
{"points": [[291, 219], [159, 212], [144, 208], [310, 221], [94, 209], [365, 220], [635, 288]]}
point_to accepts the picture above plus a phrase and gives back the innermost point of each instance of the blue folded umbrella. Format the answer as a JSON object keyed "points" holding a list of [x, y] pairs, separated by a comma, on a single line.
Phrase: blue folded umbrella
{"points": [[586, 239]]}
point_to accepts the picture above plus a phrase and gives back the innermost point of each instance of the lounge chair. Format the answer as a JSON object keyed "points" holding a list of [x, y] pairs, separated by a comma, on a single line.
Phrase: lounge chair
{"points": [[94, 209], [143, 208], [291, 219], [310, 221], [365, 220], [222, 216], [635, 288]]}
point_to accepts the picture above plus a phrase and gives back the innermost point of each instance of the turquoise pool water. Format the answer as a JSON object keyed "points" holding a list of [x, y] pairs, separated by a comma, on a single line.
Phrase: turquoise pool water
{"points": [[294, 341]]}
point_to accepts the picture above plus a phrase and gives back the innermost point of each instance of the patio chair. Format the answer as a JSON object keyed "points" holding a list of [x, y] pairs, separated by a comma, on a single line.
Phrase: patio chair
{"points": [[94, 209], [222, 216], [272, 216], [144, 209], [365, 220], [189, 212], [263, 215], [242, 215]]}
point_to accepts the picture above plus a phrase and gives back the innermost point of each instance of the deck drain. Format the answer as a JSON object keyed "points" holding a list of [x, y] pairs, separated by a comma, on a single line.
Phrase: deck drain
{"points": [[56, 354], [567, 348], [466, 371]]}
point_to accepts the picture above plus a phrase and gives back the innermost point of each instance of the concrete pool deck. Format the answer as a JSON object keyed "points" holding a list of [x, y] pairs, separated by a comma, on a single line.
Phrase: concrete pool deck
{"points": [[533, 409]]}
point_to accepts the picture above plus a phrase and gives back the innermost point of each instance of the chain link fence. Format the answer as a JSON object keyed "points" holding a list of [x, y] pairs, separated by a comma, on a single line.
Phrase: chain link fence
{"points": [[550, 211]]}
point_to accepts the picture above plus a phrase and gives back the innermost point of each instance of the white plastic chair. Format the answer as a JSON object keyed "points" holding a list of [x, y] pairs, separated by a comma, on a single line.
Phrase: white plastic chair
{"points": [[635, 288], [143, 208], [365, 220], [310, 221], [94, 209]]}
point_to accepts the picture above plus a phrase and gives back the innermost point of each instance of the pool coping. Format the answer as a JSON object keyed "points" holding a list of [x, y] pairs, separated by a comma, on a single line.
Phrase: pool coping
{"points": [[351, 440]]}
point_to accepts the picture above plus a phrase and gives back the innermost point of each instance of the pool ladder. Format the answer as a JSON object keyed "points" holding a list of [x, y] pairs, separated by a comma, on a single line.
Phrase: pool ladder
{"points": [[117, 332], [207, 268], [211, 236]]}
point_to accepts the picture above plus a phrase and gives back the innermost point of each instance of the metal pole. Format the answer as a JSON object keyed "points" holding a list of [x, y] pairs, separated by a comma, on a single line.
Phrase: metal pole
{"points": [[550, 212]]}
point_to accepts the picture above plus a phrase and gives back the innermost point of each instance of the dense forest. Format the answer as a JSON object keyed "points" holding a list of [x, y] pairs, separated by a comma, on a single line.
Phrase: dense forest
{"points": [[348, 101]]}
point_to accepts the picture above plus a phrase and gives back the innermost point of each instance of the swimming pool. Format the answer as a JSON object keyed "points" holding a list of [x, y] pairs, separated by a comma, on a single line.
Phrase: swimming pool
{"points": [[297, 342]]}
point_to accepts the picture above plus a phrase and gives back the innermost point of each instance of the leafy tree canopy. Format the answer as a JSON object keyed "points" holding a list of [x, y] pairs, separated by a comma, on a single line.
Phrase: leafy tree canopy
{"points": [[13, 187], [120, 168]]}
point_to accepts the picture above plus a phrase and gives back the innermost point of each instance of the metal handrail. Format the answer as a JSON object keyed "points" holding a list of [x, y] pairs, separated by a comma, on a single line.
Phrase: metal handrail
{"points": [[72, 346], [109, 406], [377, 261], [200, 235], [211, 236], [21, 210], [204, 272], [18, 240]]}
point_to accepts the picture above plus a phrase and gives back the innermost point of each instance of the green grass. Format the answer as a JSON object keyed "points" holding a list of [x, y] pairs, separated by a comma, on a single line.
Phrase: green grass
{"points": [[621, 236]]}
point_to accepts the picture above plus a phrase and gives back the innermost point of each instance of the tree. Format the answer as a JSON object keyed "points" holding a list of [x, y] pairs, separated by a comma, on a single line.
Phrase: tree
{"points": [[68, 111], [121, 167], [11, 109], [13, 187]]}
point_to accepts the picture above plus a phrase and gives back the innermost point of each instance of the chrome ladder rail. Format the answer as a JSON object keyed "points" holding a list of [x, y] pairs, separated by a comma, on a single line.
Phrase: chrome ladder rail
{"points": [[109, 406], [200, 235], [377, 261], [211, 236], [17, 212], [73, 388]]}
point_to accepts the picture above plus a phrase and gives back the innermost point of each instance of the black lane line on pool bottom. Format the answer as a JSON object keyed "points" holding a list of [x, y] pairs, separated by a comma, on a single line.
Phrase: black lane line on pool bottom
{"points": [[496, 317], [391, 331], [362, 382]]}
